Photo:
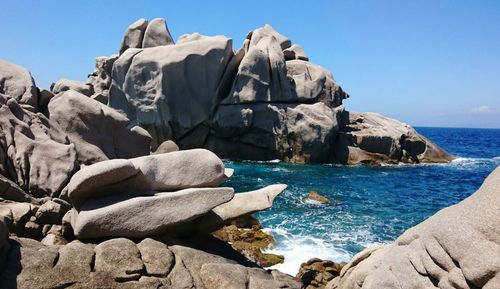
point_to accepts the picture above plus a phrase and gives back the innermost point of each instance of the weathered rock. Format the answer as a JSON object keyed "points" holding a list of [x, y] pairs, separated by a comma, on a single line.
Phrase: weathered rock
{"points": [[121, 257], [67, 84], [157, 258], [119, 264], [162, 172], [316, 273], [149, 89], [43, 99], [295, 52], [129, 215], [249, 202], [157, 34], [268, 31], [299, 133], [312, 83], [458, 247], [101, 77], [26, 137], [11, 191], [262, 75], [98, 132], [167, 146], [16, 83], [372, 138], [52, 212], [134, 35]]}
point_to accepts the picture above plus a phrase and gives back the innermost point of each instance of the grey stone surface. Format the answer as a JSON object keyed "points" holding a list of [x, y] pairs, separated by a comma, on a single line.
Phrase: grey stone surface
{"points": [[67, 84], [158, 259], [120, 263], [249, 202], [26, 139], [458, 247], [295, 52], [98, 132], [134, 35], [157, 34], [373, 138], [161, 172], [17, 83], [149, 89], [167, 146], [120, 257], [128, 215]]}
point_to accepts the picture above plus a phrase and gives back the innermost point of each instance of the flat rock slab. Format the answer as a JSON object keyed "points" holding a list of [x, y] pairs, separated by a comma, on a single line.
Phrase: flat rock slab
{"points": [[161, 172], [124, 215]]}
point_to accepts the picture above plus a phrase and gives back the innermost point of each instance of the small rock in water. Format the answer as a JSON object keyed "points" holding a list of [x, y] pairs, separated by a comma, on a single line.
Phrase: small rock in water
{"points": [[316, 273], [315, 196]]}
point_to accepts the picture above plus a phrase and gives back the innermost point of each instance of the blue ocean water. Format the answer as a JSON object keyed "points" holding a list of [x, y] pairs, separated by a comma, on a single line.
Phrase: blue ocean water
{"points": [[371, 205]]}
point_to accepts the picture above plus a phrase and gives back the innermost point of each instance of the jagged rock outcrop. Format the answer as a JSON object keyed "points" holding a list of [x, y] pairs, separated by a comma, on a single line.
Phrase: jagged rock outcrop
{"points": [[264, 102], [26, 137], [170, 90], [372, 138], [458, 247], [16, 83], [202, 263], [98, 132]]}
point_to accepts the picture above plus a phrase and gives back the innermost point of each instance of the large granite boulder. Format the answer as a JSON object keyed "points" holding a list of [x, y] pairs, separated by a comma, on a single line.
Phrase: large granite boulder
{"points": [[201, 263], [298, 133], [16, 83], [160, 172], [170, 90], [374, 139], [98, 132], [458, 247], [129, 215], [34, 153]]}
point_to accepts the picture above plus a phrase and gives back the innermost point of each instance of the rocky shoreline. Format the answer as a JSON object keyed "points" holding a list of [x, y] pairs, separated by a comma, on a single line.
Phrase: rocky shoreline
{"points": [[118, 182]]}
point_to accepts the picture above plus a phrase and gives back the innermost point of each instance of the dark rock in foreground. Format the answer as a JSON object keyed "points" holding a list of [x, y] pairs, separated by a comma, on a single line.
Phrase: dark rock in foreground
{"points": [[122, 263], [458, 247]]}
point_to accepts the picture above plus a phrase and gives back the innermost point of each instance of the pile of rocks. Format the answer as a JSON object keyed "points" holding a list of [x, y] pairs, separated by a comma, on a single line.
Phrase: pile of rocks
{"points": [[88, 205], [264, 101]]}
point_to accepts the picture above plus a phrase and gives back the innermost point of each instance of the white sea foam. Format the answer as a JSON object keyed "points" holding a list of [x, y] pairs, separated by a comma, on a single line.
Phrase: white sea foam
{"points": [[299, 249]]}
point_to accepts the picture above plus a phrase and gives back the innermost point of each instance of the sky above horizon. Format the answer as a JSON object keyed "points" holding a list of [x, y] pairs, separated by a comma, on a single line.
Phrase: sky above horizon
{"points": [[426, 63]]}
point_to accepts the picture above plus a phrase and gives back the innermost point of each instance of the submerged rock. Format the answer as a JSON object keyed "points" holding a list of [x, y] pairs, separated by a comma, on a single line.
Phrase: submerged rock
{"points": [[315, 196], [458, 247]]}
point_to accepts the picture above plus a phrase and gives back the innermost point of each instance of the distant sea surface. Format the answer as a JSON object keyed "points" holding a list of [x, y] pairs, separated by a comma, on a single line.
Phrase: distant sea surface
{"points": [[370, 205]]}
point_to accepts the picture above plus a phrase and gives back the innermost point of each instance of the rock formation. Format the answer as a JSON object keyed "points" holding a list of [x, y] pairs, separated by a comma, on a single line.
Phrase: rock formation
{"points": [[264, 101], [458, 247], [372, 138]]}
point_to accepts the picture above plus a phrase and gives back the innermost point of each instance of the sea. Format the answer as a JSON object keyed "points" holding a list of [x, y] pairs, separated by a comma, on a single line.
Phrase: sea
{"points": [[370, 205]]}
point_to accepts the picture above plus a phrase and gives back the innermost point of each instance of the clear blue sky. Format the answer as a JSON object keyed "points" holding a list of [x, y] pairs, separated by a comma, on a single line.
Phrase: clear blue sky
{"points": [[428, 63]]}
